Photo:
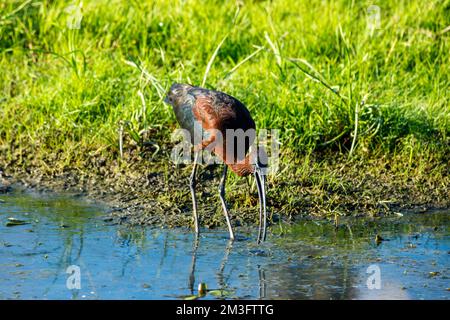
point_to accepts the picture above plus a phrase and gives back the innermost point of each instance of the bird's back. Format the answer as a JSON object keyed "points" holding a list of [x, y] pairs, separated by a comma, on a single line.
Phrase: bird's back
{"points": [[203, 112], [195, 106]]}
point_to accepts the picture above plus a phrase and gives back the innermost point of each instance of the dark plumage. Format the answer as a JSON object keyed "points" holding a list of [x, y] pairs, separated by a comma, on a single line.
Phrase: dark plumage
{"points": [[207, 115]]}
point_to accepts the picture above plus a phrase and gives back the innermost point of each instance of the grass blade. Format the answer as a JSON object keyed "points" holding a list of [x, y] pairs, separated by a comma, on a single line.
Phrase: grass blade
{"points": [[243, 61], [211, 60]]}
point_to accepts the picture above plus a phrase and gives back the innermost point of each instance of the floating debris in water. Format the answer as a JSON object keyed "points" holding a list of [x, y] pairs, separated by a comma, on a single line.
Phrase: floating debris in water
{"points": [[202, 289], [216, 293], [15, 222], [220, 293], [259, 253], [378, 239], [434, 274]]}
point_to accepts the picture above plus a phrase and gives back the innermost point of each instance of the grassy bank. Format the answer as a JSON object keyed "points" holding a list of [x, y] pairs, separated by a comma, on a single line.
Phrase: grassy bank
{"points": [[364, 115]]}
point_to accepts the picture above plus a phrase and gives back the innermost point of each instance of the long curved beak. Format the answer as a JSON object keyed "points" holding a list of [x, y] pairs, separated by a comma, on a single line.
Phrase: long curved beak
{"points": [[260, 183]]}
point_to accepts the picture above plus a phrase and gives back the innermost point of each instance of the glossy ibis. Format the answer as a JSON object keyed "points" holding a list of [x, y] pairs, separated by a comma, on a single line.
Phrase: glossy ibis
{"points": [[209, 116]]}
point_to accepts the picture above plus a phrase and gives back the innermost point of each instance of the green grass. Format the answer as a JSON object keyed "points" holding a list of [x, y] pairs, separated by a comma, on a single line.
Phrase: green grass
{"points": [[64, 92]]}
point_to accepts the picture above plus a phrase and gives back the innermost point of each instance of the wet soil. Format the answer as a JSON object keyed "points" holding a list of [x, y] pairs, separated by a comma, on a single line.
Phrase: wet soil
{"points": [[155, 191]]}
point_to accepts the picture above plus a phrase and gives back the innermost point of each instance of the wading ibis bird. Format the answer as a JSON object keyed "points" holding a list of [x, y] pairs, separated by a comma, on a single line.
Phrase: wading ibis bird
{"points": [[209, 115]]}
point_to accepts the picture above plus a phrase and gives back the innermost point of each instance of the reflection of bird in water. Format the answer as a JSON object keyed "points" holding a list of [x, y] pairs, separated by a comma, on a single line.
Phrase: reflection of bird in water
{"points": [[221, 279], [262, 282], [208, 116], [193, 262]]}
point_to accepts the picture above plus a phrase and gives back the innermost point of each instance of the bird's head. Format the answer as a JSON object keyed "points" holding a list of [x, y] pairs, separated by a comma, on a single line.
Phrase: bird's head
{"points": [[177, 94]]}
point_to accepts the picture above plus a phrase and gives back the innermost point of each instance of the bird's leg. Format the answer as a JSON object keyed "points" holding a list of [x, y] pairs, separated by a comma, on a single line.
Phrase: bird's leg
{"points": [[260, 181], [222, 200], [258, 240], [192, 184]]}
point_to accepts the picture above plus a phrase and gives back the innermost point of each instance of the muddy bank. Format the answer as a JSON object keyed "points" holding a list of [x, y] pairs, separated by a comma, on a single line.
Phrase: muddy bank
{"points": [[155, 191]]}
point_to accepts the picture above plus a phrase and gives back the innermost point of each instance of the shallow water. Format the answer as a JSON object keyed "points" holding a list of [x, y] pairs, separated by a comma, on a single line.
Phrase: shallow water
{"points": [[311, 261]]}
